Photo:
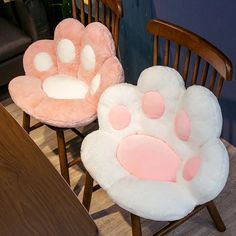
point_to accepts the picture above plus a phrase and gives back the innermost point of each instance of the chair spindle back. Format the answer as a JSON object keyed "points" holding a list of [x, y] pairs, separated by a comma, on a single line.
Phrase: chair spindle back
{"points": [[197, 60], [108, 12]]}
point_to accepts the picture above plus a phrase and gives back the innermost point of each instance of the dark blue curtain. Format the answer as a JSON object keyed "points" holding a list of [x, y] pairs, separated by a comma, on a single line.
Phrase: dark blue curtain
{"points": [[134, 42]]}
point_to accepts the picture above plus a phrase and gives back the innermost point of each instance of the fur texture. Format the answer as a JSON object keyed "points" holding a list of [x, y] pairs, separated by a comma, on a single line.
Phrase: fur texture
{"points": [[156, 199], [49, 102]]}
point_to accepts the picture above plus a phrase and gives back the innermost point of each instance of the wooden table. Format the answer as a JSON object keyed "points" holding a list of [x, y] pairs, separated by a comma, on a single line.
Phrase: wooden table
{"points": [[34, 199]]}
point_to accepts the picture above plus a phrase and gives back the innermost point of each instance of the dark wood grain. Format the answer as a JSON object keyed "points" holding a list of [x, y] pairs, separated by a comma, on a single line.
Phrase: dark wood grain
{"points": [[62, 155], [166, 52], [176, 59], [82, 17], [113, 220], [195, 70], [155, 49], [204, 74], [34, 198], [88, 191], [74, 12], [136, 225], [186, 64]]}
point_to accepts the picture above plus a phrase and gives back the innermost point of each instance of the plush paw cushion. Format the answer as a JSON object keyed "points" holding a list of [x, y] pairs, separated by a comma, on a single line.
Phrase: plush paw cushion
{"points": [[157, 151], [66, 76]]}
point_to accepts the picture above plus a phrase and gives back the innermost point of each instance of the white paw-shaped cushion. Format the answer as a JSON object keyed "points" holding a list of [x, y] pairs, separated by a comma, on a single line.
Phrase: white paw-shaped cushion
{"points": [[66, 76], [157, 151]]}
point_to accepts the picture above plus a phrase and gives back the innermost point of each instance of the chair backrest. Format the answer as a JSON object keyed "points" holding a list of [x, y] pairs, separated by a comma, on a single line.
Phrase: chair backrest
{"points": [[108, 12], [197, 60]]}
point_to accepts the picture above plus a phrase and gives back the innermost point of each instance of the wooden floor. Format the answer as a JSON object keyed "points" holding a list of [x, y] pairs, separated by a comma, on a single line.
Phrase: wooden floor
{"points": [[111, 219]]}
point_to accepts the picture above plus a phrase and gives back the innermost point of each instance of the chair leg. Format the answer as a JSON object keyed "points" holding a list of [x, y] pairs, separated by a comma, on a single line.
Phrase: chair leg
{"points": [[62, 155], [26, 122], [211, 207], [136, 225], [88, 191]]}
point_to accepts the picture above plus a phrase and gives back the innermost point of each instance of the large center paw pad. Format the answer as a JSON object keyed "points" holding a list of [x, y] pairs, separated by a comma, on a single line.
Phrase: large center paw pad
{"points": [[67, 75], [157, 151]]}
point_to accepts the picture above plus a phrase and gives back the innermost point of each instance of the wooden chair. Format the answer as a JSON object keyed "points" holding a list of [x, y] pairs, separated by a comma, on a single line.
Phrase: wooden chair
{"points": [[204, 52], [108, 12], [111, 11], [206, 55], [199, 62]]}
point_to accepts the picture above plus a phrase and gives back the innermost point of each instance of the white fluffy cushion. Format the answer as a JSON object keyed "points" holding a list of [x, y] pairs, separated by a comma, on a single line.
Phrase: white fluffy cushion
{"points": [[190, 124]]}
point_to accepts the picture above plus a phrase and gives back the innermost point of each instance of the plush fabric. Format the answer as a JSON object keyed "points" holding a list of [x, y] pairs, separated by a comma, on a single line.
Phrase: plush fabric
{"points": [[119, 117], [182, 125], [64, 87], [168, 158], [191, 167], [153, 105], [148, 158], [66, 76]]}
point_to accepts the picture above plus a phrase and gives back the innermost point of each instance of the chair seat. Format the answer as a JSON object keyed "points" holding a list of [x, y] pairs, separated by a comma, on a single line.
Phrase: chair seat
{"points": [[66, 76], [164, 155], [13, 42], [63, 113]]}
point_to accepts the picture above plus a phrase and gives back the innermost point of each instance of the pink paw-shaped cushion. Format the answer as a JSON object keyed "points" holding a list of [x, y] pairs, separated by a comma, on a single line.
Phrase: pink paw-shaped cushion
{"points": [[66, 76], [157, 151]]}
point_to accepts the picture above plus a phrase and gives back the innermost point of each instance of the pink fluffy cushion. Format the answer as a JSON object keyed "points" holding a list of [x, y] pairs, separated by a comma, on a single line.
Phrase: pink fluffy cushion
{"points": [[65, 77]]}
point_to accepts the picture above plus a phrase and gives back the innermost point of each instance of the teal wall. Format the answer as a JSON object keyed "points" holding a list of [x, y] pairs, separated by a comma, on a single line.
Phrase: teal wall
{"points": [[134, 42]]}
